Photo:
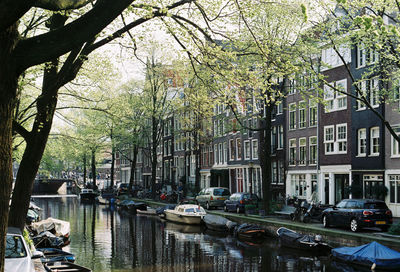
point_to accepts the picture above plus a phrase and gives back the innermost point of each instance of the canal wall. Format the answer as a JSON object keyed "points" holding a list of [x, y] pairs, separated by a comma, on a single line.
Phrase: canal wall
{"points": [[334, 236]]}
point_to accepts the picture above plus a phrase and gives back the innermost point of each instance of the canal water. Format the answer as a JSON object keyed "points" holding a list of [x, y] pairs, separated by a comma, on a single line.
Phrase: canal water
{"points": [[104, 239]]}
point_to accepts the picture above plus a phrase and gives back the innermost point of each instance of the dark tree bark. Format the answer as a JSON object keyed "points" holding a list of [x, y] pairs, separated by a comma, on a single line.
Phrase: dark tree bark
{"points": [[93, 166], [8, 93], [265, 157], [133, 166], [112, 159], [153, 156], [84, 169]]}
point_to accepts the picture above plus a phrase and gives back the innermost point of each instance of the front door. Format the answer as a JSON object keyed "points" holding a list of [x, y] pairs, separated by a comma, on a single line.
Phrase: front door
{"points": [[341, 187]]}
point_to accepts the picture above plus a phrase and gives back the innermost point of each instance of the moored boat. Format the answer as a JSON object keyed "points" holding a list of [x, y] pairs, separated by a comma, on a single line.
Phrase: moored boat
{"points": [[65, 266], [56, 255], [292, 239], [216, 223], [88, 194], [250, 232], [147, 211], [161, 210], [372, 255], [186, 214]]}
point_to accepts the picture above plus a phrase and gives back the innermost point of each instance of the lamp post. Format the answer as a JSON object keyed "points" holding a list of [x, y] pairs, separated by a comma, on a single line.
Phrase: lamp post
{"points": [[251, 166]]}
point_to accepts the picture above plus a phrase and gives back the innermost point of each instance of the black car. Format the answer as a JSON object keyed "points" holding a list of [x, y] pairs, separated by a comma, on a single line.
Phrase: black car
{"points": [[238, 201], [357, 214]]}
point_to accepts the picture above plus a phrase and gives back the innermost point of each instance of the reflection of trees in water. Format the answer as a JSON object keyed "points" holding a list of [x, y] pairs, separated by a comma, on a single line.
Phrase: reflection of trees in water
{"points": [[149, 244]]}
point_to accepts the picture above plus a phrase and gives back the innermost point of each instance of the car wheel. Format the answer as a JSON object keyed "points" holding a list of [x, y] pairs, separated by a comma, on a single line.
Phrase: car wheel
{"points": [[207, 206], [237, 209], [354, 225], [225, 209], [306, 219], [325, 221]]}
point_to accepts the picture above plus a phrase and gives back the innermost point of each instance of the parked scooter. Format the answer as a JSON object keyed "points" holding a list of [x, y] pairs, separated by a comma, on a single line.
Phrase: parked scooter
{"points": [[301, 206], [314, 211]]}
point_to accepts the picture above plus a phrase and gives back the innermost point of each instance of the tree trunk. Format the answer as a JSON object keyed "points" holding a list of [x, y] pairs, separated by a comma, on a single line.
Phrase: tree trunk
{"points": [[154, 156], [112, 160], [84, 169], [36, 139], [133, 167], [197, 163], [8, 93], [265, 157], [93, 162]]}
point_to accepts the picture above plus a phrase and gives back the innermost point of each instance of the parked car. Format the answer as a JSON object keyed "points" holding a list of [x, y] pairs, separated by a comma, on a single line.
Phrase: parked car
{"points": [[238, 201], [357, 214], [18, 256], [213, 197]]}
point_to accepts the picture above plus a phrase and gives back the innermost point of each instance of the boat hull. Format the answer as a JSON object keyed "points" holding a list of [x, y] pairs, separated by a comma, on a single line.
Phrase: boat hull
{"points": [[183, 219], [47, 186]]}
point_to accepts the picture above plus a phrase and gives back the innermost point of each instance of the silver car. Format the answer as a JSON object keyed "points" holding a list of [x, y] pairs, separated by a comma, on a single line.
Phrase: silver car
{"points": [[18, 255], [213, 197]]}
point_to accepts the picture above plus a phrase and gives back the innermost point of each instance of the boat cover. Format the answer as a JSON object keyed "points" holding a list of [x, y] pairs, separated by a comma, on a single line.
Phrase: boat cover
{"points": [[215, 220], [371, 253], [293, 236], [60, 227], [160, 210]]}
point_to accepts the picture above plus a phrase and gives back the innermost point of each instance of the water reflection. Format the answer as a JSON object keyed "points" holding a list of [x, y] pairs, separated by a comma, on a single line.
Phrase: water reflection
{"points": [[106, 240]]}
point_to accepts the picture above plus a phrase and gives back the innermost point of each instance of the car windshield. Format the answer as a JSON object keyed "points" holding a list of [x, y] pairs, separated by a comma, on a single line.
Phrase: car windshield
{"points": [[221, 192], [15, 247], [375, 205]]}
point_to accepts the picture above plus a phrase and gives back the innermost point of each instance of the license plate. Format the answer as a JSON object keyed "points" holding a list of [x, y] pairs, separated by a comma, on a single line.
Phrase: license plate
{"points": [[380, 222], [221, 198]]}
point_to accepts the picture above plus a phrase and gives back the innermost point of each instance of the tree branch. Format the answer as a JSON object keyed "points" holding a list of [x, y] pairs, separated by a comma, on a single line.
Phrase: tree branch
{"points": [[57, 5]]}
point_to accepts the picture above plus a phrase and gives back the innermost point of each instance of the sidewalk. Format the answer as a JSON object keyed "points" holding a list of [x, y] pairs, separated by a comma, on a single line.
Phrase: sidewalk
{"points": [[335, 236]]}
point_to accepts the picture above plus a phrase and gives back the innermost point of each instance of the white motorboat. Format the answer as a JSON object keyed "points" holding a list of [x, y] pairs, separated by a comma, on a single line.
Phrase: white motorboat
{"points": [[186, 214]]}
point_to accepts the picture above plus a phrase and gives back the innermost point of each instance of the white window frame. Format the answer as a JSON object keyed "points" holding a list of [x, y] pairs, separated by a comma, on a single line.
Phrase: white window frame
{"points": [[302, 151], [280, 137], [292, 146], [220, 154], [329, 142], [360, 132], [361, 56], [395, 146], [340, 140], [238, 149], [374, 134], [302, 109], [254, 149], [279, 108], [247, 147], [363, 90], [374, 92], [292, 111], [329, 96], [215, 154], [313, 143], [313, 110], [232, 150], [225, 152]]}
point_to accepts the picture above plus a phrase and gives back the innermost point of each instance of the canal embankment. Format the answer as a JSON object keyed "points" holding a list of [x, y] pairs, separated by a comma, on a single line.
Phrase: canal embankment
{"points": [[336, 237]]}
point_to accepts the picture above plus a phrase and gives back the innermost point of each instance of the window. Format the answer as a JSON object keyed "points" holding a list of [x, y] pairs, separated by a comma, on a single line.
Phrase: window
{"points": [[216, 154], [395, 143], [215, 128], [231, 150], [279, 109], [302, 114], [292, 84], [210, 156], [299, 185], [255, 149], [225, 153], [303, 152], [273, 140], [362, 142], [281, 172], [341, 137], [394, 181], [246, 150], [220, 155], [313, 150], [292, 152], [374, 92], [328, 98], [361, 94], [374, 142], [238, 149], [274, 173], [336, 98], [280, 137], [328, 139], [292, 116], [361, 56], [313, 113]]}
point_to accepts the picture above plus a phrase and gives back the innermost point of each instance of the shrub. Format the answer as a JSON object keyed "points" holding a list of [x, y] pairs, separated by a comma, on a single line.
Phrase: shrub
{"points": [[395, 229]]}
